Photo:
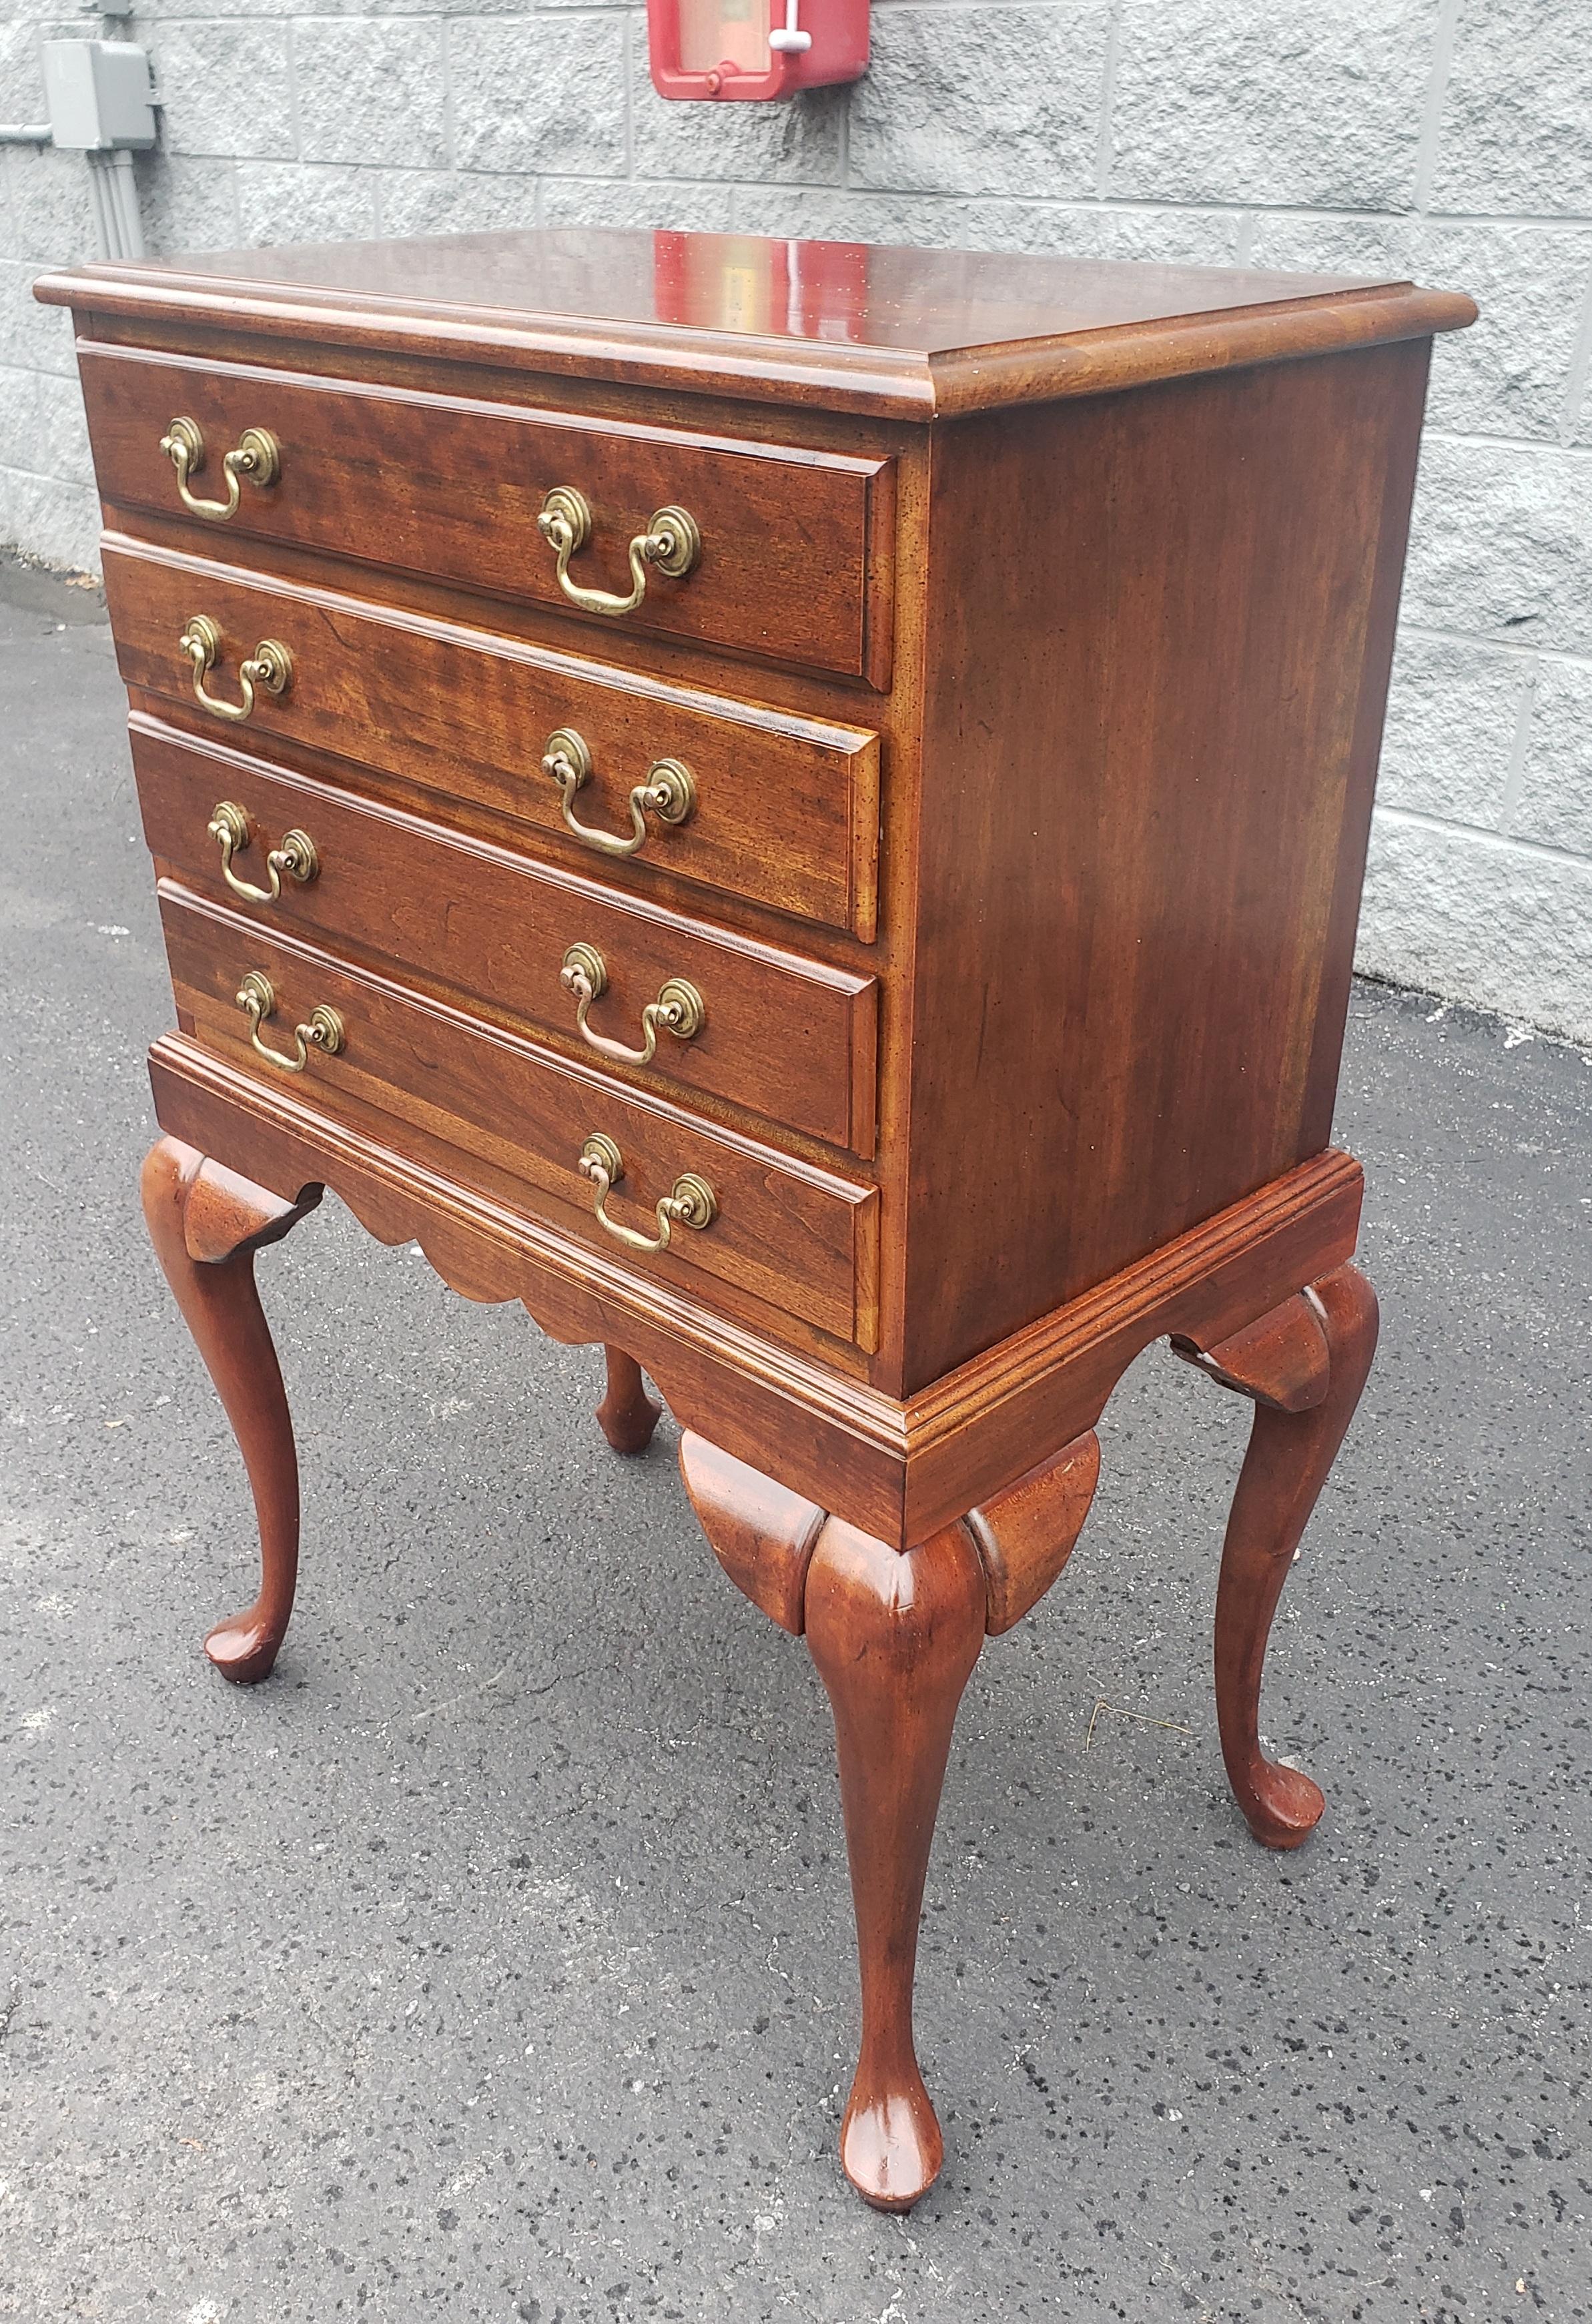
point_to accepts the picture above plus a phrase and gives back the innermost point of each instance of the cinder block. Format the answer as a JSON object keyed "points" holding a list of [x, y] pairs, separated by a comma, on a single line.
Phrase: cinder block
{"points": [[452, 201], [287, 201], [1509, 373], [1483, 921], [545, 94], [32, 337], [57, 521], [188, 204], [822, 215], [22, 80], [16, 401], [758, 144], [51, 211], [1452, 714], [1514, 131], [969, 222], [370, 91], [59, 434], [1501, 544], [1173, 237], [1555, 801], [225, 89], [688, 209], [21, 66], [345, 11], [981, 222], [1267, 101], [982, 100]]}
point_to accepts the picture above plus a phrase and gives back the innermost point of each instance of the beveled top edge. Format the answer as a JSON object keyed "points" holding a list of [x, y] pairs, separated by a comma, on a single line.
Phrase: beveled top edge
{"points": [[897, 332]]}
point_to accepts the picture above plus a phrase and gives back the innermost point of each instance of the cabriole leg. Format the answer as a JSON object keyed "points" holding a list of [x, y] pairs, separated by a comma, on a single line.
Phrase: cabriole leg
{"points": [[1304, 1366], [205, 1224], [627, 1415], [894, 1637]]}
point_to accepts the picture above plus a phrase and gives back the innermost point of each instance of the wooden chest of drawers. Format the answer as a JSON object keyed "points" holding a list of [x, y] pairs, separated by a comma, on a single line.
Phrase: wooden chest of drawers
{"points": [[817, 845]]}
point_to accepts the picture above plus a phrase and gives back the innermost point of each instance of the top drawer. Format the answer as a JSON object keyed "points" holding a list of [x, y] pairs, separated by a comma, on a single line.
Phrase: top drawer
{"points": [[796, 546]]}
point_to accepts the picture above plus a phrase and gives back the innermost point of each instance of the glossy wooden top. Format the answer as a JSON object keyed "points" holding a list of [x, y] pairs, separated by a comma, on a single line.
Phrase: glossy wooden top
{"points": [[908, 333]]}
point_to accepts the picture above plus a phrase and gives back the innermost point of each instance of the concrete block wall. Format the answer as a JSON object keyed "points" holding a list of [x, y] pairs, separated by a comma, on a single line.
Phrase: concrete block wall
{"points": [[1450, 140]]}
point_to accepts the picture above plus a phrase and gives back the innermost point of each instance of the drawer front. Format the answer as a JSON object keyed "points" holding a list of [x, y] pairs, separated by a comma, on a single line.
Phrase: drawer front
{"points": [[789, 1038], [791, 1238], [795, 544], [781, 810]]}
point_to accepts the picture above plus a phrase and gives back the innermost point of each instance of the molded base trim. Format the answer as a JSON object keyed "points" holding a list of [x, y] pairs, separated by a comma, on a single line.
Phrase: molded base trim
{"points": [[898, 1469]]}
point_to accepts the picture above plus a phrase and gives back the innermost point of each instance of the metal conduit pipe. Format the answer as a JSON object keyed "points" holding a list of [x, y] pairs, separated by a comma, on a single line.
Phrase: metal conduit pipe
{"points": [[102, 105], [116, 221]]}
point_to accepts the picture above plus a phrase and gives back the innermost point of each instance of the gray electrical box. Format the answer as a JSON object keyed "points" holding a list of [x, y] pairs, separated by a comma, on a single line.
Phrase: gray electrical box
{"points": [[98, 93]]}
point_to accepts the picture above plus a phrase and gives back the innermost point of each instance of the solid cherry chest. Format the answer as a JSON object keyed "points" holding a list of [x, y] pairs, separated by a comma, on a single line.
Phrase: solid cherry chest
{"points": [[801, 810]]}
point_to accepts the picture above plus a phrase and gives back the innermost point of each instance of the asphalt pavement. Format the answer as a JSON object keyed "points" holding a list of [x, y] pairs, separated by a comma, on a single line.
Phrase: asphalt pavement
{"points": [[491, 1963]]}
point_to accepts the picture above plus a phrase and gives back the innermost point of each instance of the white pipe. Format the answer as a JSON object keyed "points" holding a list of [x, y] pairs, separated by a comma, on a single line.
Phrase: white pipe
{"points": [[126, 185], [118, 227], [41, 136]]}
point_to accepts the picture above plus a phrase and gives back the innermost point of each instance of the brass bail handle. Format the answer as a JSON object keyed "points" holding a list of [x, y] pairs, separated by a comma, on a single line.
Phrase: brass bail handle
{"points": [[671, 544], [270, 666], [679, 1009], [323, 1028], [669, 792], [690, 1201], [295, 859], [256, 455]]}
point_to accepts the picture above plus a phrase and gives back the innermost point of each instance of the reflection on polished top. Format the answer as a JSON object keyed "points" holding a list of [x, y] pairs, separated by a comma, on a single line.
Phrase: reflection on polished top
{"points": [[916, 331]]}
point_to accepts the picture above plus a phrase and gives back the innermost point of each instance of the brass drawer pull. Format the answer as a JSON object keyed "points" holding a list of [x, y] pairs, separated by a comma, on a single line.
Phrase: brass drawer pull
{"points": [[256, 997], [672, 545], [255, 454], [230, 828], [679, 1009], [691, 1201], [668, 792], [270, 665]]}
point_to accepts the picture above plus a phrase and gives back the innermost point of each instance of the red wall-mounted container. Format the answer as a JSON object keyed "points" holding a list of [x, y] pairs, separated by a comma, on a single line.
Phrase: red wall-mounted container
{"points": [[754, 48]]}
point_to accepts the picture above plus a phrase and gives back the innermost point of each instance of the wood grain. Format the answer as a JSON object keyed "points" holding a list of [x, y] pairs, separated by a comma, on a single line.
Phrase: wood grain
{"points": [[894, 1637], [786, 808], [895, 1634], [761, 1533], [1284, 1359], [1025, 1535], [974, 1430], [896, 1469], [1050, 732], [1148, 754], [912, 334], [795, 1239], [786, 1037], [627, 1415], [1291, 1449], [451, 486], [206, 1223]]}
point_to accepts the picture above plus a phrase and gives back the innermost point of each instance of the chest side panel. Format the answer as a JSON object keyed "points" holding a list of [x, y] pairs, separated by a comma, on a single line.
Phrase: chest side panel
{"points": [[1159, 631]]}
